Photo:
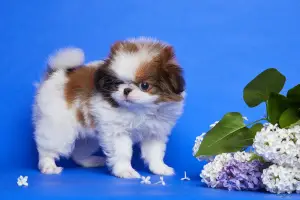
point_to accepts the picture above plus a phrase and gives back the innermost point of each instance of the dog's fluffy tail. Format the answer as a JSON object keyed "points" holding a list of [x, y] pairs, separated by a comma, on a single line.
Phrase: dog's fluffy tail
{"points": [[82, 153], [66, 58]]}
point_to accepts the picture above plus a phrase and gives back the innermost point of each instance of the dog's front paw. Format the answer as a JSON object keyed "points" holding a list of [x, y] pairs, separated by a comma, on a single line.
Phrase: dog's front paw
{"points": [[49, 167], [51, 170], [126, 173], [161, 169]]}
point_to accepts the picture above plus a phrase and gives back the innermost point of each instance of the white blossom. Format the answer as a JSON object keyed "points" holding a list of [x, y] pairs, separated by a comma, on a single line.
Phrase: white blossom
{"points": [[146, 180], [279, 146], [211, 170], [197, 144], [22, 181], [185, 178], [242, 156], [279, 179], [161, 178]]}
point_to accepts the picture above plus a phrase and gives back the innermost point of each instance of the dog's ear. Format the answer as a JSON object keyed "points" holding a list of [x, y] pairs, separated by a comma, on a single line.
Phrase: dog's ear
{"points": [[175, 75], [171, 71]]}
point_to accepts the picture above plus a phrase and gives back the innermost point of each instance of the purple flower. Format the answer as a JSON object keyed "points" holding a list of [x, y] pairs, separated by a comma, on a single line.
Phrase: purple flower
{"points": [[237, 175]]}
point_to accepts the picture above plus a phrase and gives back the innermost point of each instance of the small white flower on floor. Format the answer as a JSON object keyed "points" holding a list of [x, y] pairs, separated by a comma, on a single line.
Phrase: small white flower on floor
{"points": [[146, 180], [185, 178], [22, 181], [161, 181]]}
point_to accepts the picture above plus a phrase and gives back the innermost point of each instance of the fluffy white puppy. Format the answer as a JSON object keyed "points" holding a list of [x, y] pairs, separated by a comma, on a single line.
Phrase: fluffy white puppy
{"points": [[134, 96]]}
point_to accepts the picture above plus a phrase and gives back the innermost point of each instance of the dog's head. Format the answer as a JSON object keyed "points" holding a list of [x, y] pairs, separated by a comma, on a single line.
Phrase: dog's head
{"points": [[140, 72]]}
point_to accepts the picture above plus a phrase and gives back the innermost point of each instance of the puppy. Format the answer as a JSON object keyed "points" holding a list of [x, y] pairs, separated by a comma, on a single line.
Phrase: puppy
{"points": [[134, 96]]}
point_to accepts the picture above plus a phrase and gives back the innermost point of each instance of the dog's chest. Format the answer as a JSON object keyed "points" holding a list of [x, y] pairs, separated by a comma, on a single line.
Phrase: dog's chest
{"points": [[139, 124], [140, 121]]}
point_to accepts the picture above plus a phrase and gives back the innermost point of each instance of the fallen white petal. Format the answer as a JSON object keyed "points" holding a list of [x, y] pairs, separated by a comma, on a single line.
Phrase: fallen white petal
{"points": [[22, 181], [19, 183]]}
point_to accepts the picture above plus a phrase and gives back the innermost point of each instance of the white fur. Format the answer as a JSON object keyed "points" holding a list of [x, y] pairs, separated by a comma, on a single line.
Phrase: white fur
{"points": [[125, 64], [56, 127], [95, 63], [153, 151], [135, 97], [55, 124], [66, 58]]}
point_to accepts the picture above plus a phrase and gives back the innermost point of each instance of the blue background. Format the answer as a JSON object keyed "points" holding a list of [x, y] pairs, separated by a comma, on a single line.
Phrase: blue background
{"points": [[221, 45]]}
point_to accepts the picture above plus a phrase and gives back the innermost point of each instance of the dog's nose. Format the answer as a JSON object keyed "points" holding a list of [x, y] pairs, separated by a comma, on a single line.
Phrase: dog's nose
{"points": [[127, 91]]}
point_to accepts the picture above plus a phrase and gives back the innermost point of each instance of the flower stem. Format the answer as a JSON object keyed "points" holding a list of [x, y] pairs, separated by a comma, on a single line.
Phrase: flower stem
{"points": [[267, 111]]}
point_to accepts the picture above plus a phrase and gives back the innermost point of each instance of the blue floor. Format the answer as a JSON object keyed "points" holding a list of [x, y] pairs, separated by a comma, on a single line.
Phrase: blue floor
{"points": [[88, 184]]}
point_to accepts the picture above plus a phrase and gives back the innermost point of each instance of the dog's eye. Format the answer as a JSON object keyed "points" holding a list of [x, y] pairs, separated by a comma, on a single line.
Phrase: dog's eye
{"points": [[144, 86]]}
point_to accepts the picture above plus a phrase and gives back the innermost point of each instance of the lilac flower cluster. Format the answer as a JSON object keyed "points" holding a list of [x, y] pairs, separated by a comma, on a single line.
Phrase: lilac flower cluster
{"points": [[279, 147], [233, 172], [237, 175]]}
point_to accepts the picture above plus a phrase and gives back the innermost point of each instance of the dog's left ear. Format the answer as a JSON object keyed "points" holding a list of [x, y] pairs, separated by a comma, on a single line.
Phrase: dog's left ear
{"points": [[172, 72], [176, 78]]}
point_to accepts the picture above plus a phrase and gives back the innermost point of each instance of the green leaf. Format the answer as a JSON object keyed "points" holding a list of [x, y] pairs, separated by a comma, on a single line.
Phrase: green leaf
{"points": [[259, 89], [257, 157], [289, 117], [276, 105], [229, 135], [255, 128], [294, 94], [294, 124]]}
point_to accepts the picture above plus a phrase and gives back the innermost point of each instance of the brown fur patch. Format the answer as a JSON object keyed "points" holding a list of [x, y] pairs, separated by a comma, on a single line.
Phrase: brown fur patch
{"points": [[86, 122], [124, 46], [80, 86], [164, 75], [80, 117], [92, 121]]}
